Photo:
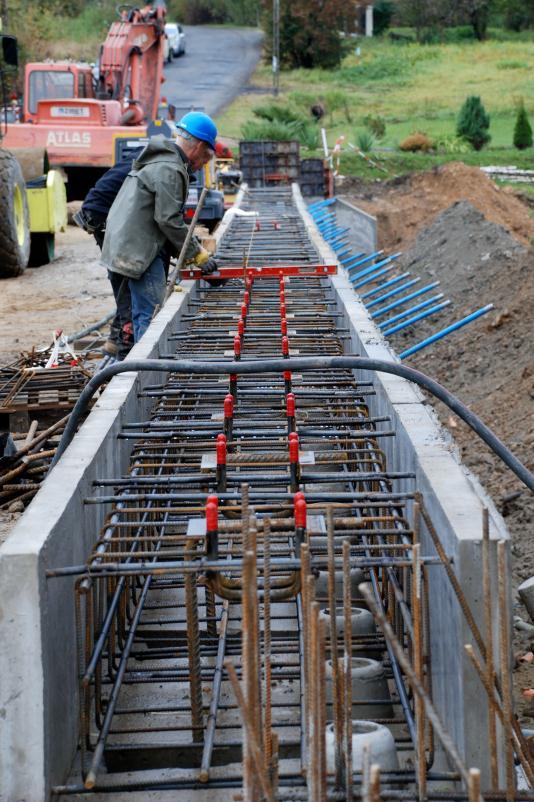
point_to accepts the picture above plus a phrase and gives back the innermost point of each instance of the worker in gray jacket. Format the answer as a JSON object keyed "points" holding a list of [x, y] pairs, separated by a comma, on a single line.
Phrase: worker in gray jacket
{"points": [[148, 212]]}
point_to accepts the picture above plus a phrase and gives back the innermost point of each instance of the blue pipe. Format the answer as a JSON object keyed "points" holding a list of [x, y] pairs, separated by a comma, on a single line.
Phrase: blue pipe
{"points": [[340, 232], [385, 286], [366, 259], [339, 239], [354, 256], [410, 311], [322, 203], [394, 291], [330, 231], [367, 270], [373, 276], [443, 333], [327, 225], [325, 219], [325, 215], [343, 254], [406, 298], [415, 318], [343, 230], [371, 269]]}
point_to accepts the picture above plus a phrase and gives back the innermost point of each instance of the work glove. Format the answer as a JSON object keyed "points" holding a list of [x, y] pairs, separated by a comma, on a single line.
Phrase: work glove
{"points": [[201, 257], [209, 267]]}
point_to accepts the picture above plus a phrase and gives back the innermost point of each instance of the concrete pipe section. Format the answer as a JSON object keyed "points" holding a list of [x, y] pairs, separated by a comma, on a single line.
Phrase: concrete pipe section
{"points": [[369, 684], [367, 737]]}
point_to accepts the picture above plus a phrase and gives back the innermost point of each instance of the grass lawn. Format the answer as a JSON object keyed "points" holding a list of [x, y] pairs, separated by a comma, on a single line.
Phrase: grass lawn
{"points": [[412, 87]]}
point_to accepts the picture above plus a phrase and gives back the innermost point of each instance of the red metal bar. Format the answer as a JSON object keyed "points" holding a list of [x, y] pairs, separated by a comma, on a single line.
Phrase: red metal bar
{"points": [[267, 271]]}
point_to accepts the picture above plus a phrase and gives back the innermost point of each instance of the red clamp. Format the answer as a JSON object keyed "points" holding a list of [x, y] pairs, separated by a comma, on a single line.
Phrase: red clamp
{"points": [[212, 527], [290, 405], [221, 449], [293, 447], [221, 463], [285, 347], [283, 326], [228, 406], [299, 504]]}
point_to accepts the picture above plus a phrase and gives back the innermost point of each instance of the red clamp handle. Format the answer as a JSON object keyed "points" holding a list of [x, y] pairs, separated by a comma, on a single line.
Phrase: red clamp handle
{"points": [[221, 450], [229, 406], [293, 447], [299, 503], [285, 346], [290, 405], [212, 514]]}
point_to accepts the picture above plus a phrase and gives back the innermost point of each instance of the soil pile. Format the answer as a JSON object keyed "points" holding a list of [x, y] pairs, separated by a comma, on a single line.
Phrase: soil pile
{"points": [[489, 364], [404, 206]]}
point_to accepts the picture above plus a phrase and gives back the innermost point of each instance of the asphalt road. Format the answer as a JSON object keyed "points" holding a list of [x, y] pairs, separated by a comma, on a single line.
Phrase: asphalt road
{"points": [[216, 66]]}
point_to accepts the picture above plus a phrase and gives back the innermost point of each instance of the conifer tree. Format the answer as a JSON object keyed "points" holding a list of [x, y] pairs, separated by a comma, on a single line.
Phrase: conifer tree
{"points": [[522, 130], [474, 122]]}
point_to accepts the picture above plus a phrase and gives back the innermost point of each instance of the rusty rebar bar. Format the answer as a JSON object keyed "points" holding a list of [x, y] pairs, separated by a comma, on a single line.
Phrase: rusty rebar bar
{"points": [[193, 650]]}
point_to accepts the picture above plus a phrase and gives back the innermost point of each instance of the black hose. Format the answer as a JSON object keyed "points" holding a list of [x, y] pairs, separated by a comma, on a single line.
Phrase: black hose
{"points": [[299, 364]]}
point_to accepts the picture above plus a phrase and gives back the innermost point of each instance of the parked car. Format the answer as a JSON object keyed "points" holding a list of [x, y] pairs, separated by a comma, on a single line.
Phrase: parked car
{"points": [[176, 36], [167, 50]]}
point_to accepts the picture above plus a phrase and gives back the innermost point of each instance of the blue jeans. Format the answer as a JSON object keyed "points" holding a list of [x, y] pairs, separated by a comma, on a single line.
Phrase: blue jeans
{"points": [[147, 292]]}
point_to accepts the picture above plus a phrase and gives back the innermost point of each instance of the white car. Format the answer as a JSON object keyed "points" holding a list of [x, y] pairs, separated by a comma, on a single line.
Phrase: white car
{"points": [[176, 36]]}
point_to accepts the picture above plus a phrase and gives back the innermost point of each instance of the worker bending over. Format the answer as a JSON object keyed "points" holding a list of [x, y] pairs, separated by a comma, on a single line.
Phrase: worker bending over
{"points": [[148, 212], [92, 218]]}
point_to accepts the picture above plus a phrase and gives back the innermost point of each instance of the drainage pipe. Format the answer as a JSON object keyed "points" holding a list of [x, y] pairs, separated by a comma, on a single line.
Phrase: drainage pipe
{"points": [[297, 364]]}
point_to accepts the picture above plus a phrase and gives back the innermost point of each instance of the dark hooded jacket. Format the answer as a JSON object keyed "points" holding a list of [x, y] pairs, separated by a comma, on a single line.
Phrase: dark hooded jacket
{"points": [[148, 211]]}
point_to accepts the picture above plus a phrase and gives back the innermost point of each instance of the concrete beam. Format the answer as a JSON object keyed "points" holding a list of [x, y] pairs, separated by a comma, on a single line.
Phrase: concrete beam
{"points": [[455, 501], [38, 730]]}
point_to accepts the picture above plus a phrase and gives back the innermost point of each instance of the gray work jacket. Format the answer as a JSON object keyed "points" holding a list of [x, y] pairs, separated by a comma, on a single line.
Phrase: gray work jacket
{"points": [[148, 211]]}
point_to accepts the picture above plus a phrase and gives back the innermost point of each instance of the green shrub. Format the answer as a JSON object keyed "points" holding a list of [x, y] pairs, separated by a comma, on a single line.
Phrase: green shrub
{"points": [[304, 132], [365, 141], [266, 130], [281, 114], [473, 123], [452, 144], [376, 125], [522, 130]]}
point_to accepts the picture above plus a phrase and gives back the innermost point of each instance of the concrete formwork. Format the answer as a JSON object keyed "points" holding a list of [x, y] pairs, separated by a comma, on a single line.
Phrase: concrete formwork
{"points": [[38, 681], [363, 234], [455, 501], [38, 673]]}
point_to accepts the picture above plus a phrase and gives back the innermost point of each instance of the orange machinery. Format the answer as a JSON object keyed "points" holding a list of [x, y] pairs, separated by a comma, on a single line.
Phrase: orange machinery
{"points": [[77, 115]]}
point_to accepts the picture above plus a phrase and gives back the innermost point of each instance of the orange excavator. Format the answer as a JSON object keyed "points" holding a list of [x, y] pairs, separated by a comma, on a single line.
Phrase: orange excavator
{"points": [[77, 111]]}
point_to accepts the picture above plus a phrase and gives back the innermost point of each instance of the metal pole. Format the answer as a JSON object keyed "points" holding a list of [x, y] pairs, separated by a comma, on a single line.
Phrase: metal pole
{"points": [[276, 47], [174, 275]]}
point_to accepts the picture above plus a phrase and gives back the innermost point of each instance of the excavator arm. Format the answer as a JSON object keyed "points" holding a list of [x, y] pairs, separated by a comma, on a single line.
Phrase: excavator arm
{"points": [[131, 62]]}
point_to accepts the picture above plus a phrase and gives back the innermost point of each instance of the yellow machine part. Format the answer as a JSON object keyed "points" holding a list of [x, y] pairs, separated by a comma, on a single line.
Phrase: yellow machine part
{"points": [[48, 205]]}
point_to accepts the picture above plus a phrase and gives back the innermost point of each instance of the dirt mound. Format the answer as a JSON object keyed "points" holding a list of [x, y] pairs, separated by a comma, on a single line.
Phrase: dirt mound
{"points": [[488, 364], [405, 206]]}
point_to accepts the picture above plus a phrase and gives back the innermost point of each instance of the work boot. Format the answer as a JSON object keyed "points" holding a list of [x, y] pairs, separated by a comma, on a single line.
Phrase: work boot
{"points": [[110, 348]]}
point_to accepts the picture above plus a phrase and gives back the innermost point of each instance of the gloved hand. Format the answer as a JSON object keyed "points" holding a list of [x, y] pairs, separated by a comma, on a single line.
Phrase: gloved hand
{"points": [[209, 267], [201, 257]]}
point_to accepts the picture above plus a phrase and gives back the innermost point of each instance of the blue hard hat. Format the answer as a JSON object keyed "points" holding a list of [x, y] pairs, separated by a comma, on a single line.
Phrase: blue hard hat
{"points": [[199, 125]]}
